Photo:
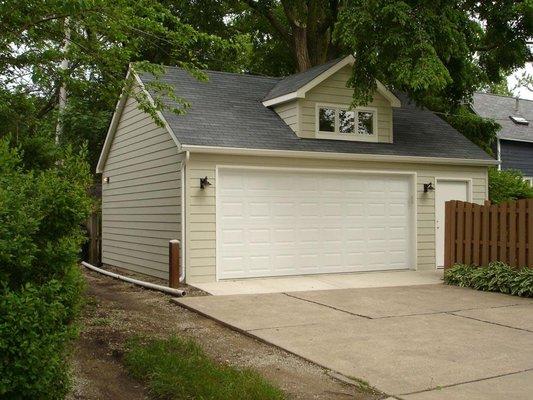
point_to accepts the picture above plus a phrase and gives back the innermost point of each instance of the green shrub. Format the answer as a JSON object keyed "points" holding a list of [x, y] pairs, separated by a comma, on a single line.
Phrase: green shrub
{"points": [[507, 185], [496, 277], [178, 369], [41, 215], [36, 326]]}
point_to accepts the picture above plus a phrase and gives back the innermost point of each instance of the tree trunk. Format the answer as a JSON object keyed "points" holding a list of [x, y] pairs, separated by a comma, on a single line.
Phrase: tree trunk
{"points": [[301, 50]]}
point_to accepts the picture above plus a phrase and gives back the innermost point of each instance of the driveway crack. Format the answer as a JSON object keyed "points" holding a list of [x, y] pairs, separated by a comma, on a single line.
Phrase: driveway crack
{"points": [[466, 382], [328, 306], [488, 322]]}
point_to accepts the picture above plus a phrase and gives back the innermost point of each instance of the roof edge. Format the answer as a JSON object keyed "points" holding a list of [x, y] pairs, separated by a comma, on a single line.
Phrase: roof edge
{"points": [[118, 113], [300, 93], [338, 156]]}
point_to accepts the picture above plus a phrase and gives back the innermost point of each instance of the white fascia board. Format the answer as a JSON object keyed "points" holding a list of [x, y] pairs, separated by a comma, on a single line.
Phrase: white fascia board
{"points": [[337, 156], [300, 93], [281, 99], [113, 126], [118, 113]]}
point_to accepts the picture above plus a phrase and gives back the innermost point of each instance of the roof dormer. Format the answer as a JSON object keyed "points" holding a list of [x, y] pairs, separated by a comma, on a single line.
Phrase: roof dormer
{"points": [[316, 104]]}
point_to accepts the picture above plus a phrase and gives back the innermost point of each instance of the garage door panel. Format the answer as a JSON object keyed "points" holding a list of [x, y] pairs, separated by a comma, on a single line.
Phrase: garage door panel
{"points": [[288, 223]]}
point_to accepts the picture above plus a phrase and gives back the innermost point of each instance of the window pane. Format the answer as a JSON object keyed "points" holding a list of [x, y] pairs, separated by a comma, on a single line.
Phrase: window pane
{"points": [[346, 121], [326, 120], [366, 122]]}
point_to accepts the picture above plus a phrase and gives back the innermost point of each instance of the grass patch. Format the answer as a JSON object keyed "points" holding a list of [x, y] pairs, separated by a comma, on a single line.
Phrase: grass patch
{"points": [[176, 368], [496, 277]]}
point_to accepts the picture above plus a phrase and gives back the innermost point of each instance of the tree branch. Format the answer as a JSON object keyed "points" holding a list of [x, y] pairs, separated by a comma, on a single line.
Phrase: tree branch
{"points": [[268, 13]]}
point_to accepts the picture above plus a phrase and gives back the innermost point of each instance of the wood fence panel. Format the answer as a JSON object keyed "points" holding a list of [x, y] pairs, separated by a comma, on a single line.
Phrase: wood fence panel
{"points": [[530, 232], [485, 234], [512, 234], [522, 232], [476, 240], [479, 234]]}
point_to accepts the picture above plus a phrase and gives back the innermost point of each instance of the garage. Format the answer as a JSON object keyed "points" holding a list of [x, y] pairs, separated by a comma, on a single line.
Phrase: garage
{"points": [[278, 222]]}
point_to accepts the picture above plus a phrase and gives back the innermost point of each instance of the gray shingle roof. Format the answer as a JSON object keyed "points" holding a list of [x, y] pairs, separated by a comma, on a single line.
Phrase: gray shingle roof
{"points": [[500, 108], [294, 82], [227, 111]]}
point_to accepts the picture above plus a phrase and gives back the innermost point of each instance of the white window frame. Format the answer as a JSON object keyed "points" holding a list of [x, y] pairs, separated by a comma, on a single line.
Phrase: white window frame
{"points": [[529, 179], [336, 135]]}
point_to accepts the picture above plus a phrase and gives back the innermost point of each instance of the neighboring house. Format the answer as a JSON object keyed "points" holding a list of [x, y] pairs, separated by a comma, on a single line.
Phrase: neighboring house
{"points": [[267, 177], [514, 146]]}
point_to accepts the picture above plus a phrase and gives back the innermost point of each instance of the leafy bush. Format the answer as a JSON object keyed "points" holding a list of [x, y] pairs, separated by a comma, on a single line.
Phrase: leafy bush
{"points": [[178, 369], [507, 185], [41, 213], [497, 277], [35, 328]]}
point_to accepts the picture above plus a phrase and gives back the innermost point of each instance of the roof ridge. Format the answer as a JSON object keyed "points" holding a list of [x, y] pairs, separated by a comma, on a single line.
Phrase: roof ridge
{"points": [[502, 95], [229, 73]]}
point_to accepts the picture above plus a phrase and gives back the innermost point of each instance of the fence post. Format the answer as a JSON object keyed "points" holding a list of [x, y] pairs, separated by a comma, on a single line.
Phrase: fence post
{"points": [[173, 263]]}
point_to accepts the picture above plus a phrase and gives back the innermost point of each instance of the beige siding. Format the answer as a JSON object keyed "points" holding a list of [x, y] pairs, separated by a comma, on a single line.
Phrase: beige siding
{"points": [[289, 113], [141, 204], [201, 225]]}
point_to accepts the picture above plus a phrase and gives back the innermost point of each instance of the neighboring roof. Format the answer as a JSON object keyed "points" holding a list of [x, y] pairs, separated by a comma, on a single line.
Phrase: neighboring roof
{"points": [[500, 109], [297, 85], [227, 112]]}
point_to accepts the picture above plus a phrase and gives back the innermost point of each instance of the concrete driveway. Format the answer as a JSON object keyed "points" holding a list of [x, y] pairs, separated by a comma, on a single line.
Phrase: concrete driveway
{"points": [[412, 342]]}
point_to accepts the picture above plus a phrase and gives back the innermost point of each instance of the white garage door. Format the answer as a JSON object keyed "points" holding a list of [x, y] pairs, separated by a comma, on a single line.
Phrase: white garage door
{"points": [[286, 222]]}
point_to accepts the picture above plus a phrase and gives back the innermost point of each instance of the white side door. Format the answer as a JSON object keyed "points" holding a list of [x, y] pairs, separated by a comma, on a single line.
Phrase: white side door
{"points": [[446, 190]]}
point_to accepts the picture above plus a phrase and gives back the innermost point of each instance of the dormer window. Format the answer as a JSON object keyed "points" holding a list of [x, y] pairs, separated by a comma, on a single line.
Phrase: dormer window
{"points": [[339, 122]]}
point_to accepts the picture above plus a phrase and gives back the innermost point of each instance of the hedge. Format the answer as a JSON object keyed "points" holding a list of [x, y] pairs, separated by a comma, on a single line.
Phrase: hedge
{"points": [[42, 211], [496, 277]]}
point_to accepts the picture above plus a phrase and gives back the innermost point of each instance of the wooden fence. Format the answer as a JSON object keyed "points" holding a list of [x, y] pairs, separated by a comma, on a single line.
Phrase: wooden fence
{"points": [[478, 234], [94, 245]]}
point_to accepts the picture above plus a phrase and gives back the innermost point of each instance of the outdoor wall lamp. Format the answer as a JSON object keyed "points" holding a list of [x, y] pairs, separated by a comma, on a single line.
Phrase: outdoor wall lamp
{"points": [[106, 179], [204, 183], [428, 187]]}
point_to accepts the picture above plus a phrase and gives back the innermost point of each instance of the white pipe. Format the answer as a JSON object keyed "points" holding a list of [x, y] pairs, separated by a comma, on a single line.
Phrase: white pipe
{"points": [[148, 285]]}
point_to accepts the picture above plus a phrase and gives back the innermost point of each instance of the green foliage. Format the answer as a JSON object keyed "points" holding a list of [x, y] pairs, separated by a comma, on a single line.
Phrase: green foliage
{"points": [[496, 277], [480, 131], [43, 203], [105, 37], [36, 326], [508, 185], [178, 369], [445, 49], [41, 214]]}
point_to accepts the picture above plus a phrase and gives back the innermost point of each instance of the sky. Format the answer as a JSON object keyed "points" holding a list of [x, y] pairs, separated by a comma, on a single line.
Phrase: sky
{"points": [[520, 91]]}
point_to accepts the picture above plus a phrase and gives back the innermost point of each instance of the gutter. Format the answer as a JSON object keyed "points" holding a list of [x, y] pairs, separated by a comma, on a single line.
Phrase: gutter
{"points": [[337, 156]]}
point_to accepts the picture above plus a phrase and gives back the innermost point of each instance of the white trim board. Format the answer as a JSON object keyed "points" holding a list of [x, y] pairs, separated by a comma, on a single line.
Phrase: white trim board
{"points": [[336, 156]]}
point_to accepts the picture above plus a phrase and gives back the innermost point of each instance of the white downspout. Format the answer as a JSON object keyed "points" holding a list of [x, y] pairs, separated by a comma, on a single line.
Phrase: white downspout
{"points": [[184, 163]]}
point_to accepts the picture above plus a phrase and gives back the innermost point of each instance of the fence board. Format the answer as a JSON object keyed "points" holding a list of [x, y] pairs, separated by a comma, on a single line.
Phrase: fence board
{"points": [[468, 233], [530, 232], [460, 230], [485, 234], [476, 240], [522, 232], [480, 234]]}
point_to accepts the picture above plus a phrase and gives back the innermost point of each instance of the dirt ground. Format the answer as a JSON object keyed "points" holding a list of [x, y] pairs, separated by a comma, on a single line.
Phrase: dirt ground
{"points": [[116, 311]]}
